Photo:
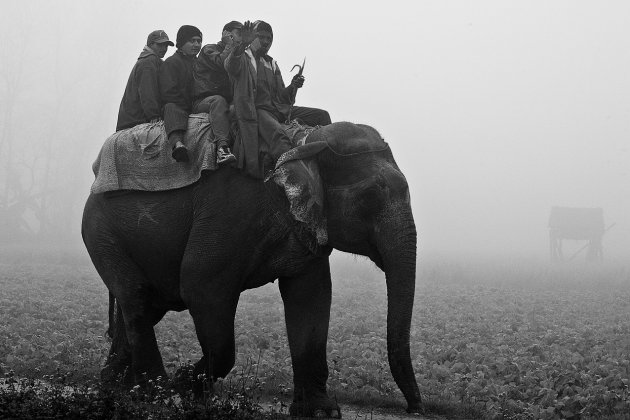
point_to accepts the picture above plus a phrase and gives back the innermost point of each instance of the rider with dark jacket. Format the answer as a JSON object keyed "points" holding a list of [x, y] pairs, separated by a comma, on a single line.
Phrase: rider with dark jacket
{"points": [[212, 89], [141, 101], [176, 82], [262, 102]]}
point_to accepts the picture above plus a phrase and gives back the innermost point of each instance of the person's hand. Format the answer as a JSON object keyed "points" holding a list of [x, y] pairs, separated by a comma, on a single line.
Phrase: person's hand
{"points": [[297, 81], [227, 38], [247, 33]]}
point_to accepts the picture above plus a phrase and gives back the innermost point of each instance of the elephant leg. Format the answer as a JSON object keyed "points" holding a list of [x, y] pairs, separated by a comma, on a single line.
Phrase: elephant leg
{"points": [[139, 319], [118, 364], [307, 312], [119, 360], [213, 310], [127, 284]]}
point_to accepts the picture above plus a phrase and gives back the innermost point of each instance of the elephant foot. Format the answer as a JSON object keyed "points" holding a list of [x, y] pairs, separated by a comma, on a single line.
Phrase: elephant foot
{"points": [[157, 374], [415, 408], [322, 407], [192, 378], [117, 371]]}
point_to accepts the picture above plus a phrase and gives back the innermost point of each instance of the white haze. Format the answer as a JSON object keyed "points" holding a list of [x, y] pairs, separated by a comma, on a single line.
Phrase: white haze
{"points": [[495, 110]]}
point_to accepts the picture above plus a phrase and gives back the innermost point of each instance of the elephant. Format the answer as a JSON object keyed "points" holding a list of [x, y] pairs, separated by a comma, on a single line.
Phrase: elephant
{"points": [[198, 247]]}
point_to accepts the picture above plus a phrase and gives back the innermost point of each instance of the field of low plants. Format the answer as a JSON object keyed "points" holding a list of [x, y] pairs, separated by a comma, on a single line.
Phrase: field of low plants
{"points": [[490, 339]]}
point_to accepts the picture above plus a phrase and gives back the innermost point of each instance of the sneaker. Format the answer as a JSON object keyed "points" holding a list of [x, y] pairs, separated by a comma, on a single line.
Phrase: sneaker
{"points": [[180, 152], [225, 156]]}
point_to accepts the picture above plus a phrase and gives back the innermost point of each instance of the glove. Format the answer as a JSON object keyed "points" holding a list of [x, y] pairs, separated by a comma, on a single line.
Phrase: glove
{"points": [[297, 81]]}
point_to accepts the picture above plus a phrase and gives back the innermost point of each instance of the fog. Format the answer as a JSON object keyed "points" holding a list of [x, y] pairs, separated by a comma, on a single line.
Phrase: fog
{"points": [[495, 111]]}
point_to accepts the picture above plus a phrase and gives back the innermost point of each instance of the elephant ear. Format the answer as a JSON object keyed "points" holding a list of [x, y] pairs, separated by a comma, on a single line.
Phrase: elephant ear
{"points": [[297, 172]]}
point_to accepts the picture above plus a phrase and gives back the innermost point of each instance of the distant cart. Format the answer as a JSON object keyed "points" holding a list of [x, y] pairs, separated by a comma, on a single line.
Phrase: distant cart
{"points": [[581, 224]]}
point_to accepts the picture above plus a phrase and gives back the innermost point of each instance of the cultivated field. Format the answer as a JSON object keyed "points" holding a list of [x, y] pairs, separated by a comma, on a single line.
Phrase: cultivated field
{"points": [[496, 339]]}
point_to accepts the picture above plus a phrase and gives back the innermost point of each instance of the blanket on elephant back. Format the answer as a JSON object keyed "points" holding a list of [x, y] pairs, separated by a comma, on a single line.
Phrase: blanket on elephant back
{"points": [[139, 158]]}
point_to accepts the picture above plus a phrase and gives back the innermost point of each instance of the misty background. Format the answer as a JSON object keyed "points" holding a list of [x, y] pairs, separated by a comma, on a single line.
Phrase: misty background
{"points": [[495, 111]]}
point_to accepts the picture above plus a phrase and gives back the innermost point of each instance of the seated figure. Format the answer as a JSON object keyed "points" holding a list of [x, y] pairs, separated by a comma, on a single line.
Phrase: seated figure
{"points": [[141, 101], [176, 80], [212, 91], [262, 101]]}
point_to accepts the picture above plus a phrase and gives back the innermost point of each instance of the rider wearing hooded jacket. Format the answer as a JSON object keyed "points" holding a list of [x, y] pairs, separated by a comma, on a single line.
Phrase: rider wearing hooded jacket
{"points": [[262, 102], [141, 101]]}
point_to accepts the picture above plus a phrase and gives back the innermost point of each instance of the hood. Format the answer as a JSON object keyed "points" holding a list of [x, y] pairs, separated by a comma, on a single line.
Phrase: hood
{"points": [[146, 52]]}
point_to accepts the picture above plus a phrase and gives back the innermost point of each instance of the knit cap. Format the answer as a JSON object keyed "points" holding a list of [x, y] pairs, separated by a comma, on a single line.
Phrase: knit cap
{"points": [[185, 33]]}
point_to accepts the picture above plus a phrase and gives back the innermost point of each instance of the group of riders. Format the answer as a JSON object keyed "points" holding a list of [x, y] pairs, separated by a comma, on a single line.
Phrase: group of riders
{"points": [[232, 80]]}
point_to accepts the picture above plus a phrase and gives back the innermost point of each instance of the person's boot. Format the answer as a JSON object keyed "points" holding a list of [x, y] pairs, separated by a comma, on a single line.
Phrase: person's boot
{"points": [[180, 152], [224, 155]]}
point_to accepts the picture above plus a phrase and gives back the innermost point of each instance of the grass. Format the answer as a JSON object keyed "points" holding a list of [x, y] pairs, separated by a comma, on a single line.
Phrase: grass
{"points": [[490, 339]]}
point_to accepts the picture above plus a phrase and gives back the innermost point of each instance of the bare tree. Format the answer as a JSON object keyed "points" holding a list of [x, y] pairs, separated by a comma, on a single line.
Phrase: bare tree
{"points": [[52, 112], [12, 199]]}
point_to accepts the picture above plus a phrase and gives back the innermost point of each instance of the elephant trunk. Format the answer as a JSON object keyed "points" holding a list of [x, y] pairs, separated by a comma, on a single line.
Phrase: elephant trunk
{"points": [[396, 243]]}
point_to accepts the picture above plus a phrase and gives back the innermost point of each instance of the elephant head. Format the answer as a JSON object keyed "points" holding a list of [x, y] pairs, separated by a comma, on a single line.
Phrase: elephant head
{"points": [[359, 203]]}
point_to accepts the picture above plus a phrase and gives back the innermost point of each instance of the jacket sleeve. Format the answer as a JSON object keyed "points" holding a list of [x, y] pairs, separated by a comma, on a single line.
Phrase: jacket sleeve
{"points": [[234, 63], [168, 84], [149, 90], [213, 58]]}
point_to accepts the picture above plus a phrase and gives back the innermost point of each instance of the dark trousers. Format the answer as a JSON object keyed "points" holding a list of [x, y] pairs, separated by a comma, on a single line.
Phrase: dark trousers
{"points": [[310, 116], [273, 134], [275, 138], [218, 109], [175, 122]]}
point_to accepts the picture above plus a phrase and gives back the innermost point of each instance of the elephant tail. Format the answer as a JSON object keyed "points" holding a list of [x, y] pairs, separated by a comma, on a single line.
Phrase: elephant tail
{"points": [[113, 304]]}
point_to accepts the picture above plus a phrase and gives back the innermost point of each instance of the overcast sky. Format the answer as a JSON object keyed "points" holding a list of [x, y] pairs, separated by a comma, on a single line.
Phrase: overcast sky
{"points": [[495, 110]]}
